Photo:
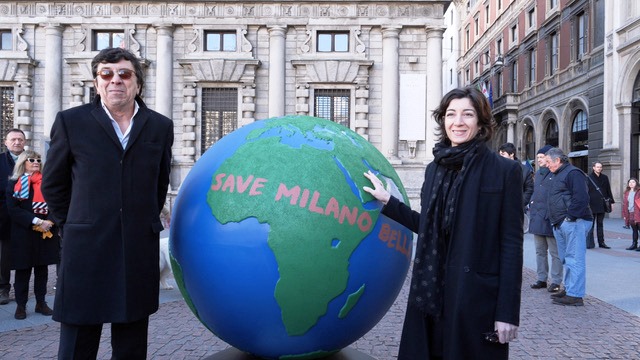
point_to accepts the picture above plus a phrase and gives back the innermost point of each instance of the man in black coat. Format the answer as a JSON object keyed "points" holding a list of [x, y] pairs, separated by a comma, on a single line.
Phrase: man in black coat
{"points": [[599, 189], [14, 142], [105, 183]]}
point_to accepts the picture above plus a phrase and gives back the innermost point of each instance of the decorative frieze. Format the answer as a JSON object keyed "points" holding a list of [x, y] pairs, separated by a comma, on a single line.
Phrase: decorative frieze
{"points": [[390, 9]]}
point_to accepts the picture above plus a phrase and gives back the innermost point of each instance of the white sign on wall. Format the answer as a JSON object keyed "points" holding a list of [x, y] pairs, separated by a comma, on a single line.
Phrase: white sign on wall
{"points": [[413, 114]]}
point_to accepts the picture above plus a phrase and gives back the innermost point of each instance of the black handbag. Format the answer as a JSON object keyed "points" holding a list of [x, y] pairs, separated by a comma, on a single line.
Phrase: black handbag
{"points": [[607, 204]]}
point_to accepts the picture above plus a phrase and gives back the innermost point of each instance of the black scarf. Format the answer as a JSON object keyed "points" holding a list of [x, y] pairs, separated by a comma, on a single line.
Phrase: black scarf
{"points": [[427, 281]]}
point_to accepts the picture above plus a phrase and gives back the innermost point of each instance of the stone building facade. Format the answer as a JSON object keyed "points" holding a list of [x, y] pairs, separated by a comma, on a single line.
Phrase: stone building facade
{"points": [[621, 105], [542, 62], [215, 66], [568, 75]]}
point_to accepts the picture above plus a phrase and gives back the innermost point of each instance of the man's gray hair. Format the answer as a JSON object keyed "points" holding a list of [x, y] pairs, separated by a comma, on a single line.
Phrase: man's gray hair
{"points": [[556, 153]]}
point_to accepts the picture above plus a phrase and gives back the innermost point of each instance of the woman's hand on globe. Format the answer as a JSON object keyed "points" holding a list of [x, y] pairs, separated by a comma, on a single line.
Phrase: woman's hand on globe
{"points": [[378, 191]]}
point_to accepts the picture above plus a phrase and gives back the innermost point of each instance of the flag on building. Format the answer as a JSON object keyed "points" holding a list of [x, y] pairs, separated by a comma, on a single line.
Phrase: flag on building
{"points": [[490, 95]]}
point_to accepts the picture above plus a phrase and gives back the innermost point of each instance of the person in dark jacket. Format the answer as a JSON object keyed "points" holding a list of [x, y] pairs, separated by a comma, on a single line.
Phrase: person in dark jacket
{"points": [[508, 150], [34, 244], [599, 189], [14, 142], [540, 227], [464, 301], [570, 216], [106, 181]]}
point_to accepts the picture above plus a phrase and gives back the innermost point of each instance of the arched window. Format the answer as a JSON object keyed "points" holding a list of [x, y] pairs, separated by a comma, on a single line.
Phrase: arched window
{"points": [[551, 133], [529, 144], [580, 132]]}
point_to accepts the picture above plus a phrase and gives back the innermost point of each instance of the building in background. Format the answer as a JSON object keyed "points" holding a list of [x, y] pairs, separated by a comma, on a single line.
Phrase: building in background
{"points": [[621, 104], [215, 66], [542, 63], [451, 50]]}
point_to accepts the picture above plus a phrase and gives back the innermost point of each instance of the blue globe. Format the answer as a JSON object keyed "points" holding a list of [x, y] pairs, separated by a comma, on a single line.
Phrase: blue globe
{"points": [[276, 248]]}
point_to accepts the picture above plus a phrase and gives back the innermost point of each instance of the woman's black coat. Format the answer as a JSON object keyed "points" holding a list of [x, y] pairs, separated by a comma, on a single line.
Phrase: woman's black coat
{"points": [[28, 248], [484, 262]]}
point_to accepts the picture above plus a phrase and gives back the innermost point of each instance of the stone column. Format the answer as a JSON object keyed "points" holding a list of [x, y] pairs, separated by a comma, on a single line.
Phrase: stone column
{"points": [[164, 70], [53, 76], [511, 131], [390, 93], [277, 70], [434, 84]]}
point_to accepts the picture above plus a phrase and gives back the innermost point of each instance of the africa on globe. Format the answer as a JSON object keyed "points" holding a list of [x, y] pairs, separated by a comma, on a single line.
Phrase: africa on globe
{"points": [[276, 248]]}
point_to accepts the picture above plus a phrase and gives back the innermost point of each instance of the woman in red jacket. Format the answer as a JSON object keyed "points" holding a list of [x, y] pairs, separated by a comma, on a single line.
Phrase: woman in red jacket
{"points": [[631, 210]]}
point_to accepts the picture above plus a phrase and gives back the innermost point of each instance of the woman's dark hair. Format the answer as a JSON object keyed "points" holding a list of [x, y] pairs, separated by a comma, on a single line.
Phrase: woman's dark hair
{"points": [[635, 188], [486, 124], [114, 55]]}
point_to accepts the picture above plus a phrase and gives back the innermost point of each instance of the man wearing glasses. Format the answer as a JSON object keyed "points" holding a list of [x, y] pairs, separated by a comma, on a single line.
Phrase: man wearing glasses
{"points": [[14, 142], [105, 182]]}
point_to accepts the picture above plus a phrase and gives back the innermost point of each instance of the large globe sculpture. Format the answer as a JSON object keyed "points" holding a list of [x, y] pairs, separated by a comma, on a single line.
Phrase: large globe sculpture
{"points": [[276, 248]]}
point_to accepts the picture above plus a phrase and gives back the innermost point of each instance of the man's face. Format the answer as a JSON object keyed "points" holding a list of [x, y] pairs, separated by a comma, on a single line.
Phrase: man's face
{"points": [[553, 164], [541, 159], [597, 168], [506, 154], [15, 142], [115, 91]]}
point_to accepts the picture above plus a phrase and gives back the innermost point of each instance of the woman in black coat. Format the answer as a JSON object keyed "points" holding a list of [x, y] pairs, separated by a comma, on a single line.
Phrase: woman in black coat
{"points": [[34, 242], [464, 300]]}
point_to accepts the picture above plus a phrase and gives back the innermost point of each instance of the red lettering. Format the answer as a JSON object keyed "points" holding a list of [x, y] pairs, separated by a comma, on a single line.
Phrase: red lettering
{"points": [[258, 184], [350, 216], [294, 193], [333, 207], [402, 246], [365, 222], [218, 183], [229, 183], [242, 186], [383, 235], [304, 199], [314, 204], [393, 238]]}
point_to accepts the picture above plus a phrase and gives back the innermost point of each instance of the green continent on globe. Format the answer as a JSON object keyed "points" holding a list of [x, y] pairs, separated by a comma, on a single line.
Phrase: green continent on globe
{"points": [[304, 179]]}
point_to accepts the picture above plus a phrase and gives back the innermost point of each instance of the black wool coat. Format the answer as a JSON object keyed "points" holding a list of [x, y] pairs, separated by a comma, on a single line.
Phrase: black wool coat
{"points": [[28, 248], [596, 201], [483, 276], [6, 169], [107, 200]]}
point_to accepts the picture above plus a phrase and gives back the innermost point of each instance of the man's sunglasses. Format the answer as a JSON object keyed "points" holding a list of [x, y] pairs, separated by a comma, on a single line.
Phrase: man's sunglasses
{"points": [[107, 74], [34, 160]]}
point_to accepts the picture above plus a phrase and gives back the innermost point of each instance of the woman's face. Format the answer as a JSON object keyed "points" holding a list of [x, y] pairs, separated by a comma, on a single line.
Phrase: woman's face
{"points": [[632, 184], [32, 165], [461, 121]]}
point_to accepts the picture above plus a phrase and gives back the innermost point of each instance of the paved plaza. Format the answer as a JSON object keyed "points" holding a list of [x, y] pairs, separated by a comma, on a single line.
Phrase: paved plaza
{"points": [[607, 327]]}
